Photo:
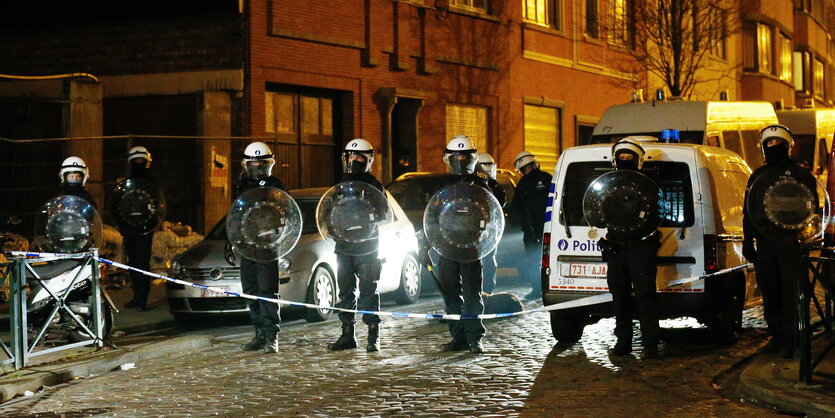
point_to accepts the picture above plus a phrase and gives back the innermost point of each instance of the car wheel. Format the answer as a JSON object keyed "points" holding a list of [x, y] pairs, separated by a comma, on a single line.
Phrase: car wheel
{"points": [[322, 292], [409, 289], [567, 328]]}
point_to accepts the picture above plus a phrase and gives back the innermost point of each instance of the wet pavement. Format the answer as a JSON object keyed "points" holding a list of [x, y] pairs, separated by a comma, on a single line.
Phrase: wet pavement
{"points": [[522, 373]]}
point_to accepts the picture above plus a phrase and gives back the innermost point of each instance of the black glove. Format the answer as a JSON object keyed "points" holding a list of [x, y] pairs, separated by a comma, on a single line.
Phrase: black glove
{"points": [[748, 250]]}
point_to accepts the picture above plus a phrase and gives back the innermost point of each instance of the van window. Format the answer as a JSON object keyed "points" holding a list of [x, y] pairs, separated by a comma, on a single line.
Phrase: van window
{"points": [[803, 149], [733, 142], [685, 137], [751, 142], [672, 177]]}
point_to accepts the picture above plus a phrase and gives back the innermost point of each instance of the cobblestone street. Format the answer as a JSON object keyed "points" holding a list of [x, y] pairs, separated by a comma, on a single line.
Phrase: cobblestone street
{"points": [[522, 373]]}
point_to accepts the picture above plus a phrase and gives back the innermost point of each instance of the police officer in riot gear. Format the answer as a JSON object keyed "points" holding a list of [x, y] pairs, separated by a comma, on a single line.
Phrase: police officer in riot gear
{"points": [[486, 168], [461, 282], [529, 201], [138, 247], [74, 175], [357, 160], [632, 264], [260, 279], [777, 257]]}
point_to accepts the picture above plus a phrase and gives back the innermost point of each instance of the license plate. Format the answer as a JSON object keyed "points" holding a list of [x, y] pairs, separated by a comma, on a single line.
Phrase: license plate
{"points": [[206, 293], [587, 270]]}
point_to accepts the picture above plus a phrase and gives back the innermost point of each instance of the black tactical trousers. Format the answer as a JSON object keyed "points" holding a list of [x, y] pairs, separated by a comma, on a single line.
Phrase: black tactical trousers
{"points": [[531, 268], [779, 270], [489, 267], [634, 265], [261, 279], [364, 269], [138, 254], [462, 295]]}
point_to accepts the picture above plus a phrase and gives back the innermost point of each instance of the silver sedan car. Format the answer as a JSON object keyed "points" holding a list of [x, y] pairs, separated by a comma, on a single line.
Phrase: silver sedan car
{"points": [[307, 274]]}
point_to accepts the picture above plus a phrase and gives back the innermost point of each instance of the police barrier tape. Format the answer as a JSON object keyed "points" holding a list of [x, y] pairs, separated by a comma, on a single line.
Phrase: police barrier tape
{"points": [[586, 301]]}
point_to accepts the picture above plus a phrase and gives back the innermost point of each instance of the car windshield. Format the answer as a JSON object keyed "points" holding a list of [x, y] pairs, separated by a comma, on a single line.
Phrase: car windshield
{"points": [[414, 193], [672, 177], [307, 206]]}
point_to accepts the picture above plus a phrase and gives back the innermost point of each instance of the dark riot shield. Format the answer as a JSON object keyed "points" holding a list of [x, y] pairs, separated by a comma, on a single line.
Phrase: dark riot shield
{"points": [[782, 208], [463, 222], [136, 207], [350, 214], [70, 225], [264, 224], [624, 202]]}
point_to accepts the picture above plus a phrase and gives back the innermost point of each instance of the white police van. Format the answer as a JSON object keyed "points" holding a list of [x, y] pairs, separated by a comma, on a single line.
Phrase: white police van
{"points": [[701, 233]]}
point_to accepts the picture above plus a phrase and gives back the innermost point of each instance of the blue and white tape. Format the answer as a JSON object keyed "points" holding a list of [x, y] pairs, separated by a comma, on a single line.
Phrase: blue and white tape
{"points": [[586, 301]]}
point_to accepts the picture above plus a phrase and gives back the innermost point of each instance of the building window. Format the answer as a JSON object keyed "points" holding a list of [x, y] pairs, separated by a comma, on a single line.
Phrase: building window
{"points": [[785, 70], [543, 134], [818, 79], [718, 33], [592, 19], [801, 71], [543, 12], [623, 22], [279, 113], [467, 120], [478, 6], [765, 59]]}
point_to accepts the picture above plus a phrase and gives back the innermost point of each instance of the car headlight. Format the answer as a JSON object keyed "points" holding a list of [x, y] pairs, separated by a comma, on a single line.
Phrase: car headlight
{"points": [[283, 264]]}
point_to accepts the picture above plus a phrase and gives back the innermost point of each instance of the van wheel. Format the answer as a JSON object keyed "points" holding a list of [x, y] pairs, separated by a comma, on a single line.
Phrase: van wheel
{"points": [[727, 323], [567, 328]]}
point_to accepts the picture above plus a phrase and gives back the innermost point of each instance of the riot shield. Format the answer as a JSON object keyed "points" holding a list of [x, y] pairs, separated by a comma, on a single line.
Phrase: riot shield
{"points": [[264, 224], [782, 207], [70, 225], [624, 202], [463, 222], [136, 207], [349, 216]]}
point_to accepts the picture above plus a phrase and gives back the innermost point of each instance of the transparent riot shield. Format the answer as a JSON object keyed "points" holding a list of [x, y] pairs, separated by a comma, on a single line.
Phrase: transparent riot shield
{"points": [[349, 217], [264, 224], [70, 224], [782, 207], [136, 207], [624, 202], [463, 222]]}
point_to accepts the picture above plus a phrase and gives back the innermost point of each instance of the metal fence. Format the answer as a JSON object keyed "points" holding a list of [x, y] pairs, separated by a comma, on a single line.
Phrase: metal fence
{"points": [[815, 293]]}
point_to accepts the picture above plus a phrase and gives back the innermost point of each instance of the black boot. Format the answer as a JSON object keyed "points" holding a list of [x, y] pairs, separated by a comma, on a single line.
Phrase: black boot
{"points": [[373, 338], [455, 345], [622, 348], [346, 340], [258, 342], [271, 343]]}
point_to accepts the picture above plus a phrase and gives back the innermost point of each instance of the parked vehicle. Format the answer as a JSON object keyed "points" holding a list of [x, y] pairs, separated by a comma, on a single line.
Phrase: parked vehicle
{"points": [[701, 233], [307, 274], [734, 126], [812, 130], [413, 191]]}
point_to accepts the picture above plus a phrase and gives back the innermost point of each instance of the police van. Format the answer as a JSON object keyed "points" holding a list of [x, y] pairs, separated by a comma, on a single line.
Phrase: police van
{"points": [[701, 233], [734, 125], [812, 130]]}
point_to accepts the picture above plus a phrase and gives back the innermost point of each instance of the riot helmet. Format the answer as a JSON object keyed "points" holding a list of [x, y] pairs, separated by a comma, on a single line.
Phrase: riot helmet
{"points": [[74, 171], [776, 141], [461, 155], [357, 157], [486, 165], [139, 157], [524, 159], [258, 161], [627, 154]]}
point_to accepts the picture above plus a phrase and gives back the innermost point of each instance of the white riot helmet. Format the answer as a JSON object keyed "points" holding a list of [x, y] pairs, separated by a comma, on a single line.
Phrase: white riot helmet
{"points": [[486, 165], [460, 155], [351, 164], [778, 132], [258, 160], [629, 146], [139, 152], [74, 165], [524, 158]]}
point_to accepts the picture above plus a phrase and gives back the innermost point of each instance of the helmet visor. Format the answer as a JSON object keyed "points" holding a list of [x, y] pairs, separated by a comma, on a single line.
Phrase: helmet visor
{"points": [[260, 168], [460, 163]]}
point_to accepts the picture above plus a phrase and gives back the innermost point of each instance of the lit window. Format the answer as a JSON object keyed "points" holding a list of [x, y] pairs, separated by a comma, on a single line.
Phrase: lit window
{"points": [[543, 12], [818, 78], [765, 59], [479, 6], [542, 135], [623, 18], [467, 120], [801, 71], [785, 72], [592, 21]]}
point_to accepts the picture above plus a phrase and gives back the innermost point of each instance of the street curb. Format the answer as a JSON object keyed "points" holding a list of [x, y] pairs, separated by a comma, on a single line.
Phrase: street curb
{"points": [[102, 364], [762, 378]]}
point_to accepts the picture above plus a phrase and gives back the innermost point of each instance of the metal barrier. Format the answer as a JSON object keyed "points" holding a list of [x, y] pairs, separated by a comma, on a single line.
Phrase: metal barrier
{"points": [[21, 348], [821, 271]]}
